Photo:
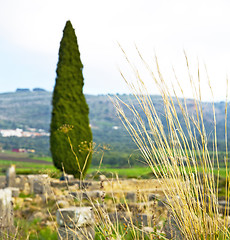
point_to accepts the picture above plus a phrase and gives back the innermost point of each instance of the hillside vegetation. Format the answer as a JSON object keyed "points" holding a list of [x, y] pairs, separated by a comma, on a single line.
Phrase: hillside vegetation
{"points": [[33, 109]]}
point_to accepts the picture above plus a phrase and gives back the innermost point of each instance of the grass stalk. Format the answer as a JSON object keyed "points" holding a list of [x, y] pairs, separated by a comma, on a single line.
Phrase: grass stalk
{"points": [[179, 154]]}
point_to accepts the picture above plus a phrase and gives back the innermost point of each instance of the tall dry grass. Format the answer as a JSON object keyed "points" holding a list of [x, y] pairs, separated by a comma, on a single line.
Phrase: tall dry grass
{"points": [[179, 154]]}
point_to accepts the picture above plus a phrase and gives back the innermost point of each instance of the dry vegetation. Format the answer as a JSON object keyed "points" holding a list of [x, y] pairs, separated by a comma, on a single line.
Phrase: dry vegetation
{"points": [[171, 153]]}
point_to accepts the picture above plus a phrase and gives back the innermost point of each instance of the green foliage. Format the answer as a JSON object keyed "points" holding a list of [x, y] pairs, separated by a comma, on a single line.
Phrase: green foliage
{"points": [[23, 195], [70, 109], [125, 232], [33, 230], [44, 234]]}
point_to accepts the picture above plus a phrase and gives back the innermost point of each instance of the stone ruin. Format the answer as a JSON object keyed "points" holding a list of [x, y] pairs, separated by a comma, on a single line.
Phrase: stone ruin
{"points": [[6, 213], [75, 223], [140, 203]]}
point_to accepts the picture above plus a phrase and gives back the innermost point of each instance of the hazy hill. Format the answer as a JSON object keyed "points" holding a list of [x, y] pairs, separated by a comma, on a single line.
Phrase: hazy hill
{"points": [[33, 109]]}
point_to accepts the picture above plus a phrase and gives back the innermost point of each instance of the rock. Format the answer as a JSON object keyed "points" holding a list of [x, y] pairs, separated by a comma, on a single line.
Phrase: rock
{"points": [[144, 219], [75, 223], [224, 203], [84, 184], [37, 215], [14, 191], [65, 184], [84, 233], [153, 197], [123, 217], [75, 216], [70, 177], [22, 183], [6, 213], [100, 206], [41, 185], [58, 184], [76, 195], [171, 228], [134, 207], [44, 197], [148, 231], [30, 179], [62, 204], [57, 192], [131, 196], [163, 203], [88, 195], [224, 207], [102, 178], [10, 176]]}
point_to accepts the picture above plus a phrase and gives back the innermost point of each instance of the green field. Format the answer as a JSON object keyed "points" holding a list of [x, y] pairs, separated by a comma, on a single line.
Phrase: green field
{"points": [[134, 172], [31, 168], [47, 159], [26, 167], [34, 168]]}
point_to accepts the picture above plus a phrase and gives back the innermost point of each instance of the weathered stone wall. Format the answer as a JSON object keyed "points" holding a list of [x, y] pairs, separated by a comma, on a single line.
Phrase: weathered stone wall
{"points": [[6, 214]]}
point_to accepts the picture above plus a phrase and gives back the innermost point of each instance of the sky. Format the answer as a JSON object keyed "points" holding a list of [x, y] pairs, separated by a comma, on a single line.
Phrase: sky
{"points": [[31, 31]]}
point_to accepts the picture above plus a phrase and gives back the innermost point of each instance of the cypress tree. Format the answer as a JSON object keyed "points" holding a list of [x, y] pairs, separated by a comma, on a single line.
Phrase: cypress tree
{"points": [[70, 129]]}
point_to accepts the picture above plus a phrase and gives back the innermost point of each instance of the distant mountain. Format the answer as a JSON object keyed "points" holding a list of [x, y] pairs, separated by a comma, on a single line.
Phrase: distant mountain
{"points": [[25, 109]]}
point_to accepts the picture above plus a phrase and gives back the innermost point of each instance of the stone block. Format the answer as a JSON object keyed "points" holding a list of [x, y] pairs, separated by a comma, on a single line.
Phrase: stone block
{"points": [[84, 184], [6, 213], [58, 184], [14, 191], [171, 228], [135, 207], [77, 195], [224, 203], [10, 176], [84, 233], [224, 210], [122, 217], [102, 178], [224, 207], [21, 182], [163, 203], [152, 197], [70, 182], [75, 216], [131, 196], [144, 219], [90, 195], [70, 177], [41, 185], [30, 179]]}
